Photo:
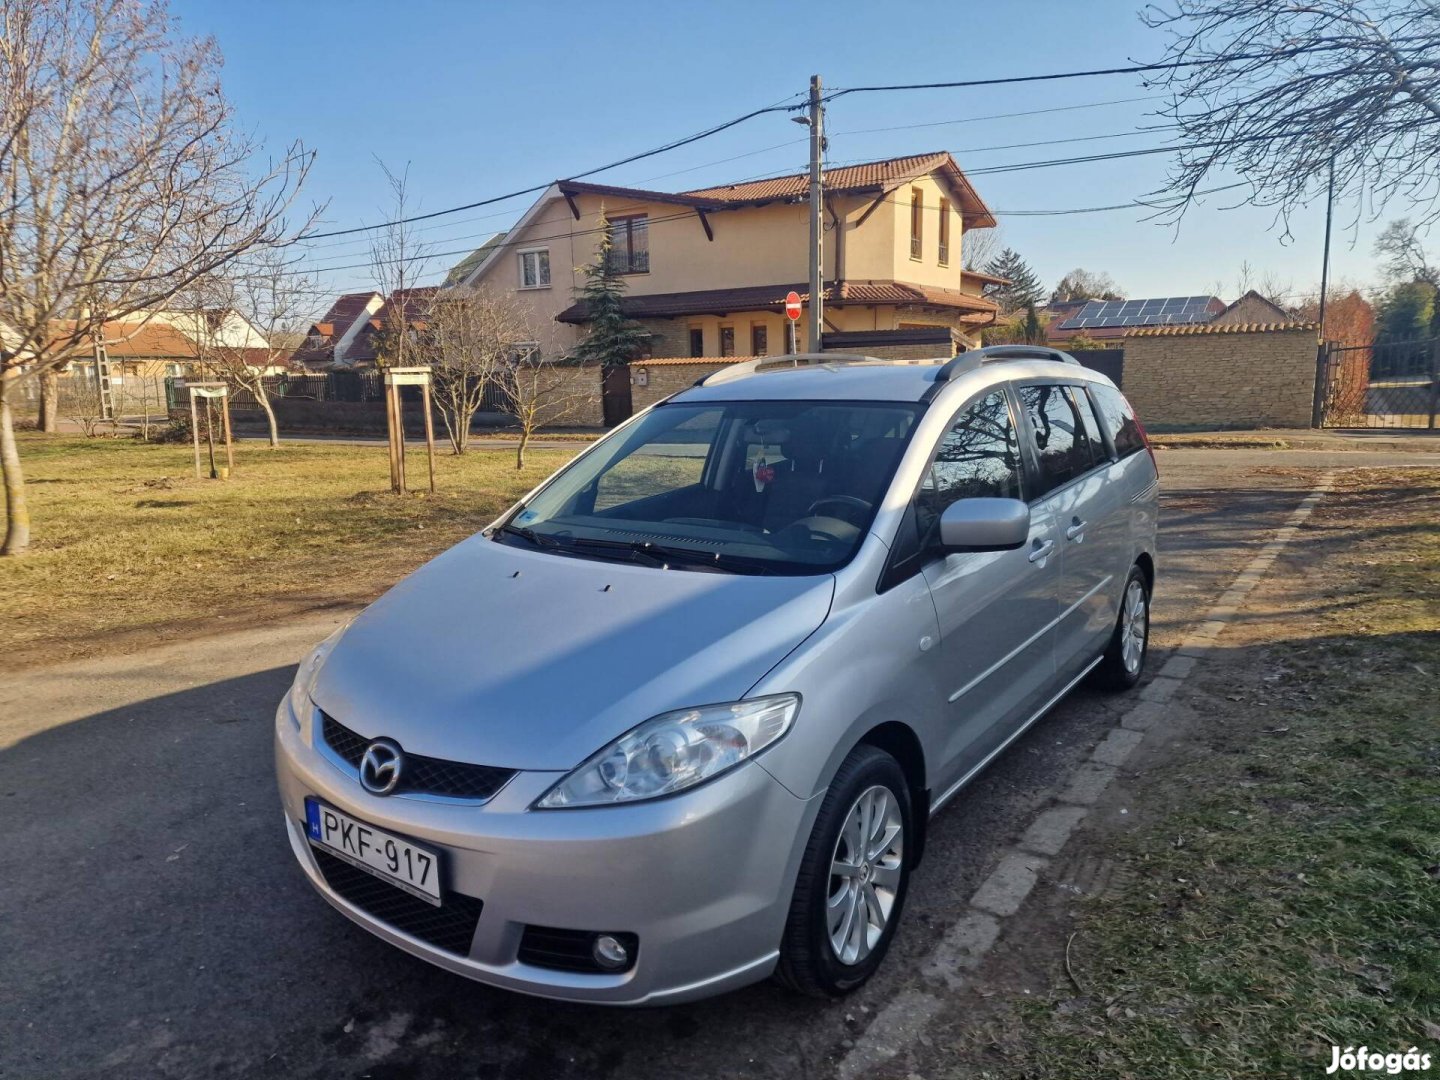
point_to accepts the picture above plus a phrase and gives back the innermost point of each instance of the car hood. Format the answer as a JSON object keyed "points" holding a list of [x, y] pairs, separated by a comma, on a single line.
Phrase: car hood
{"points": [[522, 659]]}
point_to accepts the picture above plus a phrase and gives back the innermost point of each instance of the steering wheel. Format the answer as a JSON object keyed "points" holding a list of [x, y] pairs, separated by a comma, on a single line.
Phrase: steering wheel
{"points": [[846, 502]]}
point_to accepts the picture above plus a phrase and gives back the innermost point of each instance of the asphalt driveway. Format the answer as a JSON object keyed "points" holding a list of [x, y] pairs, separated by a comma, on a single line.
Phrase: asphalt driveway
{"points": [[152, 923]]}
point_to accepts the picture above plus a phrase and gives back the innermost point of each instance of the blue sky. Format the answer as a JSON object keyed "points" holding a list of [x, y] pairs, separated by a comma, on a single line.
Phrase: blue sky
{"points": [[483, 98]]}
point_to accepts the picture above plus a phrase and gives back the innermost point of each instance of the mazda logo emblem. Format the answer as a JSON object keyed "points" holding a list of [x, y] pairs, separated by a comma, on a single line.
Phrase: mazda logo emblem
{"points": [[381, 766]]}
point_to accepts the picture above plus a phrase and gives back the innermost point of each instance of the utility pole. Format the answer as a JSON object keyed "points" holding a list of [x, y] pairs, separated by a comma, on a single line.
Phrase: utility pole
{"points": [[816, 321], [1322, 355]]}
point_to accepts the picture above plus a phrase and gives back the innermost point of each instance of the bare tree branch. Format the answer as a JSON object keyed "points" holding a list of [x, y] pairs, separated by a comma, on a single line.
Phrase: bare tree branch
{"points": [[1367, 95]]}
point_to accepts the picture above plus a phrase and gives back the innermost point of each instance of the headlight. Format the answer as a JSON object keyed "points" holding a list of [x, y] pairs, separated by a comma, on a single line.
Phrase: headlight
{"points": [[675, 751], [299, 697]]}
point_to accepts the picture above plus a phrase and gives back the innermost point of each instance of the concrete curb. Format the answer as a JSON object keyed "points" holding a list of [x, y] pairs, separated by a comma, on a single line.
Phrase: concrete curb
{"points": [[1002, 894]]}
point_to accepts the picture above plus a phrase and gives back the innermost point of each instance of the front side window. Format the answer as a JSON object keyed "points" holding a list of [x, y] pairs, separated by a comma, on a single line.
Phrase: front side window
{"points": [[630, 245], [535, 269], [1060, 443], [978, 458], [787, 487], [1118, 419]]}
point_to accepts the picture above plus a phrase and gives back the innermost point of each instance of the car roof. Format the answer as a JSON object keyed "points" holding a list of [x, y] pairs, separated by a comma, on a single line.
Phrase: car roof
{"points": [[871, 379]]}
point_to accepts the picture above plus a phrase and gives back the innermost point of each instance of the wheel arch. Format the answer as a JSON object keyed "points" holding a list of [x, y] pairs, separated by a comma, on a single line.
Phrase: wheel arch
{"points": [[900, 741]]}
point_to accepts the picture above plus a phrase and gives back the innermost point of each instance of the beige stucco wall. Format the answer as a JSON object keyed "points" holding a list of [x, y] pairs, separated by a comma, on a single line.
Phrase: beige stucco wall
{"points": [[1222, 380], [763, 245], [650, 384]]}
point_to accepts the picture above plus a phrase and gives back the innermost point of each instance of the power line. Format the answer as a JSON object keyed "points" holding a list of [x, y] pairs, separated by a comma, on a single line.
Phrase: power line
{"points": [[998, 116], [536, 188]]}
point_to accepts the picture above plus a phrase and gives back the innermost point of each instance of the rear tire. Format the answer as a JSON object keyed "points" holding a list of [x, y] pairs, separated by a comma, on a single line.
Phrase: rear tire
{"points": [[1124, 660], [853, 877]]}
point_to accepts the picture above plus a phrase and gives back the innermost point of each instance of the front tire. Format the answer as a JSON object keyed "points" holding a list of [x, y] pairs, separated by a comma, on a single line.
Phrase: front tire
{"points": [[853, 878], [1124, 660]]}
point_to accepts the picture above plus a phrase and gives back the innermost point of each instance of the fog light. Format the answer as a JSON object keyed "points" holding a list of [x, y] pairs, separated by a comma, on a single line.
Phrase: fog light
{"points": [[609, 953]]}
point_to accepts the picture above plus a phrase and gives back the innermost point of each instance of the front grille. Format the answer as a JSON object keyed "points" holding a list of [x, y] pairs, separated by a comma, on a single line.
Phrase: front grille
{"points": [[569, 950], [449, 926], [421, 775]]}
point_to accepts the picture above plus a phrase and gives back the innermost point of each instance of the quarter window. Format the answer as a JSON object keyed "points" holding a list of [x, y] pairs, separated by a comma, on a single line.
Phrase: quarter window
{"points": [[1118, 419], [630, 245], [1060, 443], [978, 458], [1098, 454], [535, 269]]}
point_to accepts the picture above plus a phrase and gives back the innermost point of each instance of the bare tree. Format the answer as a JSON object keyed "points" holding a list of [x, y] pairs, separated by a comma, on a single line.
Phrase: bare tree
{"points": [[262, 293], [470, 335], [1081, 284], [1402, 255], [399, 260], [1275, 91], [125, 180], [538, 392], [980, 246]]}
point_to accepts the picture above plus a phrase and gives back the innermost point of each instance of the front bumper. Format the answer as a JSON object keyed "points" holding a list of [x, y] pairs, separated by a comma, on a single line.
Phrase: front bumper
{"points": [[703, 878]]}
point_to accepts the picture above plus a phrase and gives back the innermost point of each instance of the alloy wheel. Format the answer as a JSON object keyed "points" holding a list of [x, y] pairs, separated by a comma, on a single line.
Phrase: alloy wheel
{"points": [[865, 873], [1134, 625]]}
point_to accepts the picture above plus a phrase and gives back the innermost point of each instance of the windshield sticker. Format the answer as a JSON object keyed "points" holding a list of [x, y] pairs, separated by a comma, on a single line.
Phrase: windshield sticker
{"points": [[526, 517]]}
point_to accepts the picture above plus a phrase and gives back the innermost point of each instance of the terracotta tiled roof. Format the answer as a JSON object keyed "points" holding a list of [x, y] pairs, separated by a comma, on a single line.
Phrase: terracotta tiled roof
{"points": [[772, 297], [1220, 328], [878, 176], [132, 341]]}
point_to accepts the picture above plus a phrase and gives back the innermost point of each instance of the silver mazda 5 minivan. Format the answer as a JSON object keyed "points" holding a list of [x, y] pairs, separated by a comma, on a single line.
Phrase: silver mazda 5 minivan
{"points": [[676, 722]]}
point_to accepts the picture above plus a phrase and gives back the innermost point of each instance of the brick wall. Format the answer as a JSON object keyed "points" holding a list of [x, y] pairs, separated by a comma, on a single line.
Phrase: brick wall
{"points": [[662, 380], [581, 390], [1235, 380]]}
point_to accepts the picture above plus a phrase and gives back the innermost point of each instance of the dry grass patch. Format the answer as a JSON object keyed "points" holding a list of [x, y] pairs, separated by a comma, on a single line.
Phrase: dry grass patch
{"points": [[129, 546]]}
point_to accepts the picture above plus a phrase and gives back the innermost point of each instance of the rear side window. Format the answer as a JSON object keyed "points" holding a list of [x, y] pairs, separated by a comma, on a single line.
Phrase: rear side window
{"points": [[1117, 418], [1060, 441], [978, 458]]}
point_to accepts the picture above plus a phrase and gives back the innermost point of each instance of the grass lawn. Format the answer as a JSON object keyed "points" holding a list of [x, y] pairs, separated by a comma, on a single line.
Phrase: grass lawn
{"points": [[129, 546], [1281, 892]]}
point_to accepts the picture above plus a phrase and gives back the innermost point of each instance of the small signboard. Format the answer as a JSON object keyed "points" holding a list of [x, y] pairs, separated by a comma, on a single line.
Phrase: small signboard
{"points": [[792, 305], [407, 376]]}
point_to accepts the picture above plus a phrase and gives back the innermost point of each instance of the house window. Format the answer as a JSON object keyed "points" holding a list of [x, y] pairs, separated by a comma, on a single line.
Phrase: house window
{"points": [[630, 245], [917, 210], [759, 340], [727, 341], [697, 341], [944, 232], [524, 352], [535, 269]]}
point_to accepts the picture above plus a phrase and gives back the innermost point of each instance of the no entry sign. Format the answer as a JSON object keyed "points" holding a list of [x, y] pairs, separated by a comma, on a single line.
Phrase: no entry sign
{"points": [[792, 305]]}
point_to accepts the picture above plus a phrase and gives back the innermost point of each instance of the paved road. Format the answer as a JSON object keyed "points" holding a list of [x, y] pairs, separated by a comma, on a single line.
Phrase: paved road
{"points": [[152, 923]]}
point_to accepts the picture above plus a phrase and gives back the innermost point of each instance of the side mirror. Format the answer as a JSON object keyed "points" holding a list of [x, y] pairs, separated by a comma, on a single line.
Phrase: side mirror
{"points": [[984, 525]]}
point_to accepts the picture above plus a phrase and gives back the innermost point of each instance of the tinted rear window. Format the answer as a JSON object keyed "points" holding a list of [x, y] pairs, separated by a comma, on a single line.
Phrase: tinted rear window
{"points": [[1117, 418]]}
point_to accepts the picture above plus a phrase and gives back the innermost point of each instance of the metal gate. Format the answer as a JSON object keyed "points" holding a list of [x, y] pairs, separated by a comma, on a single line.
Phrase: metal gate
{"points": [[1390, 384], [615, 395]]}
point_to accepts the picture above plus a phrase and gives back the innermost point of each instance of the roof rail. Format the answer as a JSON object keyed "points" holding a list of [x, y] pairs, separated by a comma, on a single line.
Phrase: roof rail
{"points": [[969, 361], [790, 360]]}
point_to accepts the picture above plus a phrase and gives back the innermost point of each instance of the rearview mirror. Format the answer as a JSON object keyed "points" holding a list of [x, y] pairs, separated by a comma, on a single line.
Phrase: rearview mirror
{"points": [[984, 525]]}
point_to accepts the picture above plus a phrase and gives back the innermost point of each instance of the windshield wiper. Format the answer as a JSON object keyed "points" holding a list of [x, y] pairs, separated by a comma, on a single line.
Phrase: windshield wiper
{"points": [[660, 555], [539, 540]]}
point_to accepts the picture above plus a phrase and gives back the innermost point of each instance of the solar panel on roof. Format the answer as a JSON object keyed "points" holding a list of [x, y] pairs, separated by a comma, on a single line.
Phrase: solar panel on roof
{"points": [[1147, 311]]}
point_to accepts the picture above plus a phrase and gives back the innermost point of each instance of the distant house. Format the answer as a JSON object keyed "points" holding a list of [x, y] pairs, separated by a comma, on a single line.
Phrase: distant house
{"points": [[407, 307], [1106, 320], [330, 340], [1253, 308], [707, 270]]}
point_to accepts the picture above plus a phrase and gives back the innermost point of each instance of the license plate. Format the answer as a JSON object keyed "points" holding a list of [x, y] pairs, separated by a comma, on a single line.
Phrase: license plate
{"points": [[391, 858]]}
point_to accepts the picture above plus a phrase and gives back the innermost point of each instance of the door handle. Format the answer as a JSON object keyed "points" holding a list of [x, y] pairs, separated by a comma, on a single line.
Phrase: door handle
{"points": [[1041, 550], [1075, 530]]}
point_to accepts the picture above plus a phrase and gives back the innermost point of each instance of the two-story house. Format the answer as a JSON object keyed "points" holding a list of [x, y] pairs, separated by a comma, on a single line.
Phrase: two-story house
{"points": [[707, 270]]}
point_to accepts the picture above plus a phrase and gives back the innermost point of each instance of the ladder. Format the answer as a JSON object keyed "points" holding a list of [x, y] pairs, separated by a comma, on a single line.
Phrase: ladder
{"points": [[102, 379]]}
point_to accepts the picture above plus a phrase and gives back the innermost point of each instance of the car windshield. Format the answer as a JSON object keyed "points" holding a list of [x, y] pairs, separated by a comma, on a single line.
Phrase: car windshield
{"points": [[784, 487]]}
